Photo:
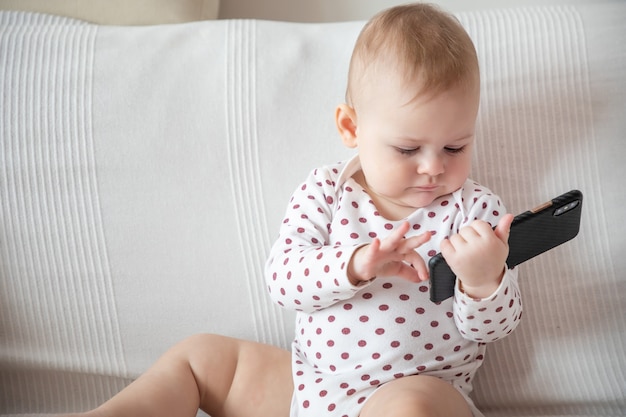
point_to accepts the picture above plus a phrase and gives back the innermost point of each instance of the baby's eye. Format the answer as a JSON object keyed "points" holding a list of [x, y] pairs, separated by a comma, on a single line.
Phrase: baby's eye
{"points": [[407, 151], [454, 151]]}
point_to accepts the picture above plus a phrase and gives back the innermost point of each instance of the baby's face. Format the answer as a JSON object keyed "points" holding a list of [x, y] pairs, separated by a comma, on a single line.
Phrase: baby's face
{"points": [[413, 151]]}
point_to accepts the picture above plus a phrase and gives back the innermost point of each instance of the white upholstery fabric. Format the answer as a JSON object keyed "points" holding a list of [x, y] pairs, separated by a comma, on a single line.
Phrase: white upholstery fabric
{"points": [[144, 172]]}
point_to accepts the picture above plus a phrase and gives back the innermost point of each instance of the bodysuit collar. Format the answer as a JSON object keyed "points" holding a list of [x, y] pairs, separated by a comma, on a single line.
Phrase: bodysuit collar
{"points": [[351, 167]]}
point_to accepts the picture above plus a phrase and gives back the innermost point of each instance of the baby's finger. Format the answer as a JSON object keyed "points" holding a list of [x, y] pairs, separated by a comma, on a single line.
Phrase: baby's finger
{"points": [[398, 234], [374, 246], [447, 248], [468, 233], [503, 228], [391, 242], [481, 228], [409, 273], [418, 263], [415, 242]]}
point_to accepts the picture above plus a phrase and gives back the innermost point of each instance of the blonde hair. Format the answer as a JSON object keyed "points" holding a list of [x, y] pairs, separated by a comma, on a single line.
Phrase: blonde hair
{"points": [[426, 45]]}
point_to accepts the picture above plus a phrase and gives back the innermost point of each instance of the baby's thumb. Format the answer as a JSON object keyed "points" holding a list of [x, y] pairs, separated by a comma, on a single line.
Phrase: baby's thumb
{"points": [[503, 229]]}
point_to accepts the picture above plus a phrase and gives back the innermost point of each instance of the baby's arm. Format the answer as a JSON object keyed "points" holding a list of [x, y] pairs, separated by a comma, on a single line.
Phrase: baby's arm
{"points": [[489, 319], [487, 304], [305, 271]]}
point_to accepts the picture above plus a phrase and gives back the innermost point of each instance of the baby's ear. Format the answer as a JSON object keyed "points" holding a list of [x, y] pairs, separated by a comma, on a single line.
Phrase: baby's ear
{"points": [[345, 119]]}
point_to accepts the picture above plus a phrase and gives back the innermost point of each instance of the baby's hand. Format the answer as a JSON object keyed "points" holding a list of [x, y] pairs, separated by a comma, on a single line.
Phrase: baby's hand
{"points": [[395, 255], [477, 255]]}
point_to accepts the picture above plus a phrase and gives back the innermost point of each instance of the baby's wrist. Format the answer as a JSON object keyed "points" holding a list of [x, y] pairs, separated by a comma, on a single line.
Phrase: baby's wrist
{"points": [[359, 282], [484, 290], [355, 278]]}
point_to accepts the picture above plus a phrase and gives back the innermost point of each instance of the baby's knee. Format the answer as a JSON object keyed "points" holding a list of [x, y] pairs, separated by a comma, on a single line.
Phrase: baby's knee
{"points": [[208, 350], [205, 344], [203, 339], [416, 396], [401, 403]]}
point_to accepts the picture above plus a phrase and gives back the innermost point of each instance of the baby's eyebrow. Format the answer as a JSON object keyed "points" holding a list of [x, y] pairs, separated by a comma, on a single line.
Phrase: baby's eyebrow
{"points": [[465, 137], [414, 140]]}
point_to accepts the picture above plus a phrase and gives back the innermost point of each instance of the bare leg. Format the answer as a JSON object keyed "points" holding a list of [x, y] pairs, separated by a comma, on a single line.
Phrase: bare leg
{"points": [[416, 396], [220, 375]]}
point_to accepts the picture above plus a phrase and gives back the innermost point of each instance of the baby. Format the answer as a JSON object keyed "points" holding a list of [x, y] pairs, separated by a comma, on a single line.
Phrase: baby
{"points": [[350, 258], [352, 250]]}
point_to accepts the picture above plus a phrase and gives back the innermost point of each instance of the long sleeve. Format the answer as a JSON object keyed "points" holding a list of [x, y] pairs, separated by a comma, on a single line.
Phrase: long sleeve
{"points": [[492, 318], [305, 271]]}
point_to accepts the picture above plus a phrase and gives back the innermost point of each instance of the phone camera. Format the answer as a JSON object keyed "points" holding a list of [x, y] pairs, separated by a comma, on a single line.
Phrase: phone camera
{"points": [[566, 208]]}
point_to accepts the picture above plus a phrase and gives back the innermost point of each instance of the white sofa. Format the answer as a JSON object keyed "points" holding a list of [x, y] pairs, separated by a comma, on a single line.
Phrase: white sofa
{"points": [[144, 172]]}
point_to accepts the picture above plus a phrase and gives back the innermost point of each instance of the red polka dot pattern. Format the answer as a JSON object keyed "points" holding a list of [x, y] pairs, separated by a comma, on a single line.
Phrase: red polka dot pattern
{"points": [[350, 340]]}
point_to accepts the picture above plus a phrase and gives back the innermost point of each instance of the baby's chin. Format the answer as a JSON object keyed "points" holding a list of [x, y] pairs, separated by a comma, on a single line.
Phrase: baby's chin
{"points": [[423, 199], [404, 208]]}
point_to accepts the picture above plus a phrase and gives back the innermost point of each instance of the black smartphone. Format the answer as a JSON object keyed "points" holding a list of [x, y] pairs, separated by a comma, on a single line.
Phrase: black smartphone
{"points": [[532, 233]]}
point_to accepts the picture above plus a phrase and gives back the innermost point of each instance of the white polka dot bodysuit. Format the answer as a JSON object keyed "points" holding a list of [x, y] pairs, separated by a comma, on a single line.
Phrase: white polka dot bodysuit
{"points": [[352, 339]]}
